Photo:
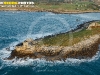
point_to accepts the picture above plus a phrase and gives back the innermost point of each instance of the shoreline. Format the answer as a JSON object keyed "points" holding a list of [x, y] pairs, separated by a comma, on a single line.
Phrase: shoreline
{"points": [[50, 10], [77, 29]]}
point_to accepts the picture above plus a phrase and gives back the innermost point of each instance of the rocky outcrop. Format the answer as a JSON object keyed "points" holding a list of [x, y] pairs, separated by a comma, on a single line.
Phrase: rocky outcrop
{"points": [[93, 25], [81, 50], [84, 49]]}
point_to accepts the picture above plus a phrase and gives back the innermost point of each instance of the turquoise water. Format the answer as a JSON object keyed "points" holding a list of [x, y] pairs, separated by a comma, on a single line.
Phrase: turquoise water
{"points": [[15, 27]]}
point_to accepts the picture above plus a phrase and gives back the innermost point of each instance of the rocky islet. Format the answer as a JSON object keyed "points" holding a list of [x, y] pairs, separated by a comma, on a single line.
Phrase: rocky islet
{"points": [[84, 49]]}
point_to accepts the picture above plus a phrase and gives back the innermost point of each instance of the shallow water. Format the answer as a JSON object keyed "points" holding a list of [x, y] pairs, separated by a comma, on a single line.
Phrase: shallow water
{"points": [[18, 26]]}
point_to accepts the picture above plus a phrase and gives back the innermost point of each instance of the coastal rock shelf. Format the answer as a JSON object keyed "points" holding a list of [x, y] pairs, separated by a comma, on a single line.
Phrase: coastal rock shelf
{"points": [[81, 50]]}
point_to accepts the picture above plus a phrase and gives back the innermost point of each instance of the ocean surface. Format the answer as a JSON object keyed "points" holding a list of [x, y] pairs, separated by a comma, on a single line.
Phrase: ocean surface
{"points": [[15, 27]]}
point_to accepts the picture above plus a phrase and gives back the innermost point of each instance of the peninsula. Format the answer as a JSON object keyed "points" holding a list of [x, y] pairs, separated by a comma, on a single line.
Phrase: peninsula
{"points": [[85, 43]]}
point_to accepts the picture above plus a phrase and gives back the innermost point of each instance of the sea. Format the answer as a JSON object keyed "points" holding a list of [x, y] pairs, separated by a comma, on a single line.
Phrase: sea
{"points": [[16, 26]]}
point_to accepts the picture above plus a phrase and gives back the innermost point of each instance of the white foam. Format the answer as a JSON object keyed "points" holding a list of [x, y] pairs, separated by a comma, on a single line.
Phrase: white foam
{"points": [[12, 45], [37, 35], [49, 14], [43, 62], [4, 53]]}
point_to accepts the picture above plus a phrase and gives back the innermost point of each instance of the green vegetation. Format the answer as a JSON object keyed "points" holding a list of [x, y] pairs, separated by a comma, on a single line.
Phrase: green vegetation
{"points": [[69, 6], [63, 39], [98, 22]]}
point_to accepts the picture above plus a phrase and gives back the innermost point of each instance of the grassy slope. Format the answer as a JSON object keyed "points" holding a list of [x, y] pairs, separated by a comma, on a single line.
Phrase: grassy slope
{"points": [[63, 39], [68, 6]]}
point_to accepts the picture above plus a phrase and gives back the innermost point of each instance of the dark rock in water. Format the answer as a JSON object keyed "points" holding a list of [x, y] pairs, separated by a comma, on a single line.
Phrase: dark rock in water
{"points": [[20, 44]]}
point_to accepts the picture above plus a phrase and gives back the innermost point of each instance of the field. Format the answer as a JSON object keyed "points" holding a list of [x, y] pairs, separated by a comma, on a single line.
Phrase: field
{"points": [[69, 6]]}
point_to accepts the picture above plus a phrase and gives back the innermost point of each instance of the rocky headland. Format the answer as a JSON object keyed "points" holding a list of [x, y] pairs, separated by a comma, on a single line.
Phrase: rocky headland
{"points": [[84, 49]]}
